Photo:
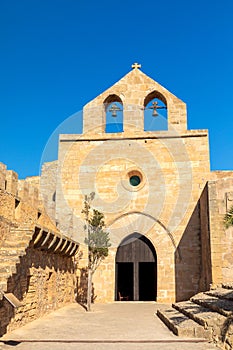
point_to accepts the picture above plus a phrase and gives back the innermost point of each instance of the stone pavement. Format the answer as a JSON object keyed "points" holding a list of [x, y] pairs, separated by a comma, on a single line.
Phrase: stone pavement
{"points": [[116, 326]]}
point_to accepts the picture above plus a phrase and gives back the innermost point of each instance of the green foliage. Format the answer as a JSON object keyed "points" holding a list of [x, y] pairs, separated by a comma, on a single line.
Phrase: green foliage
{"points": [[228, 218], [97, 239], [87, 206]]}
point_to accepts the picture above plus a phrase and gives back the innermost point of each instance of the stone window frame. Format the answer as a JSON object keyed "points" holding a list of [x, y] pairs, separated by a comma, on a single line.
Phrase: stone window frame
{"points": [[151, 96], [109, 100]]}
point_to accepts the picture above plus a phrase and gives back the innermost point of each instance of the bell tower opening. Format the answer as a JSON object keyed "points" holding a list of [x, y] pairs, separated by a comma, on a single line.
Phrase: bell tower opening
{"points": [[113, 114], [136, 269], [155, 112]]}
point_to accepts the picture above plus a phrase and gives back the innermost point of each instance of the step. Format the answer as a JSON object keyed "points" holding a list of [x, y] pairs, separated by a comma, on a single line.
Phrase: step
{"points": [[22, 228], [9, 269], [222, 306], [221, 293], [202, 315], [181, 325], [9, 251], [8, 262], [14, 244], [12, 259], [4, 277], [3, 286], [18, 236]]}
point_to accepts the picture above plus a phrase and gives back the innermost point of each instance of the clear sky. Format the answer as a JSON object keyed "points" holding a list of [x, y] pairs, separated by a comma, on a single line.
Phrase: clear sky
{"points": [[56, 55]]}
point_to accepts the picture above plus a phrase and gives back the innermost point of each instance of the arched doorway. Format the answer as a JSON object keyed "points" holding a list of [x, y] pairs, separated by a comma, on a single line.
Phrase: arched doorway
{"points": [[136, 269]]}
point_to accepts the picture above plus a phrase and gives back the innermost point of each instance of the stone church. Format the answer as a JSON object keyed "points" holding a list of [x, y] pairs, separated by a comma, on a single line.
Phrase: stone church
{"points": [[163, 209], [151, 177]]}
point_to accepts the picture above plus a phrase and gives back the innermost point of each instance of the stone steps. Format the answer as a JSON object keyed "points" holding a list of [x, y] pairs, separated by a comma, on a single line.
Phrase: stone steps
{"points": [[4, 259], [18, 238], [4, 276], [205, 315], [199, 314], [182, 325], [13, 244], [8, 268], [10, 252], [3, 286], [222, 293], [222, 306], [4, 263]]}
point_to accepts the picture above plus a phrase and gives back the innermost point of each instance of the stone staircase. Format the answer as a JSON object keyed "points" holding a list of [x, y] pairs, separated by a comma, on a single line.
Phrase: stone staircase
{"points": [[10, 252], [206, 315]]}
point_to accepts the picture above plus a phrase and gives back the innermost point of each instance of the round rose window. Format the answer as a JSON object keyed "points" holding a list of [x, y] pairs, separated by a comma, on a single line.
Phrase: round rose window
{"points": [[134, 180]]}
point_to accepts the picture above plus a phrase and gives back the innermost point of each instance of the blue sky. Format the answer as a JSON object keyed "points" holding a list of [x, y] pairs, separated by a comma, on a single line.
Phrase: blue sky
{"points": [[56, 55]]}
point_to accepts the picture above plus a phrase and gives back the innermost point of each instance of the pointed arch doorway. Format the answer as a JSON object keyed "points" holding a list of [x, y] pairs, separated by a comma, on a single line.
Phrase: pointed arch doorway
{"points": [[136, 269]]}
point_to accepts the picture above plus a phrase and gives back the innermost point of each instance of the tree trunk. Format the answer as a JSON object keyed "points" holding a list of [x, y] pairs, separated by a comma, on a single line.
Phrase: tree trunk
{"points": [[89, 290]]}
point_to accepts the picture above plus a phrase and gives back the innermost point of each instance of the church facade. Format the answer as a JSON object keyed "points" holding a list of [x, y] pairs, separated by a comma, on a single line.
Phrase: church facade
{"points": [[151, 177]]}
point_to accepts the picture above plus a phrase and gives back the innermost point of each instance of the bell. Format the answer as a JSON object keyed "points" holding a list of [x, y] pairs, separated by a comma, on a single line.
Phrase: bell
{"points": [[154, 114], [114, 110]]}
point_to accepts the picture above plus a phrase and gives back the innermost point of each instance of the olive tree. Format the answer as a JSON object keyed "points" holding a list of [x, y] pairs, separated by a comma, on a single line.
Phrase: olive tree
{"points": [[97, 241]]}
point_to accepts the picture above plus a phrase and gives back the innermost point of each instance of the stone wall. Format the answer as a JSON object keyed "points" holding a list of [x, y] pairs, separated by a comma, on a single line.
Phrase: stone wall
{"points": [[206, 264], [48, 183], [36, 260], [173, 177], [188, 258], [220, 200], [42, 282], [208, 248], [193, 256]]}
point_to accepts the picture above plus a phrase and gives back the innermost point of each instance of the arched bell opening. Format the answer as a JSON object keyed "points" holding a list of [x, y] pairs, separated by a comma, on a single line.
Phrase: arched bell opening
{"points": [[113, 114], [136, 269], [155, 112]]}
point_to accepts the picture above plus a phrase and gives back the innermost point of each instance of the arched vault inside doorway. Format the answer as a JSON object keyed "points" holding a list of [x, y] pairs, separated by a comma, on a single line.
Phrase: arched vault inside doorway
{"points": [[136, 269]]}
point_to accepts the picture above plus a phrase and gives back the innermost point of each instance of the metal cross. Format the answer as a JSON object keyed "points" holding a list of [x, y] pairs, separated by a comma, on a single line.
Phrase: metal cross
{"points": [[114, 109], [155, 107], [136, 65]]}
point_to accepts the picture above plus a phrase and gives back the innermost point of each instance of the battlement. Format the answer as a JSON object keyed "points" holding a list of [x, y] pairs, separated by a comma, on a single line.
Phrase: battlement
{"points": [[29, 241], [25, 190]]}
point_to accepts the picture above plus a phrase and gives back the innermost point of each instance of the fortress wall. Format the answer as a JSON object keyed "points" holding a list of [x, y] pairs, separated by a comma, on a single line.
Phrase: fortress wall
{"points": [[38, 272], [42, 282]]}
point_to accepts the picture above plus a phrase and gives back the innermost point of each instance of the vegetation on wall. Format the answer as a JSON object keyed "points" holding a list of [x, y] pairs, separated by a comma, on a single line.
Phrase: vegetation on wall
{"points": [[228, 218]]}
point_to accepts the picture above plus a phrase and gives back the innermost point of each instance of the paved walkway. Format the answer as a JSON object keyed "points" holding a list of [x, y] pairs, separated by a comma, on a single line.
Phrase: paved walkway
{"points": [[116, 326]]}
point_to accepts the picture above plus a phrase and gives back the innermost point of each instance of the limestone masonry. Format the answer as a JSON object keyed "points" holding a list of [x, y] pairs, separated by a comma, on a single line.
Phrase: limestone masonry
{"points": [[163, 208]]}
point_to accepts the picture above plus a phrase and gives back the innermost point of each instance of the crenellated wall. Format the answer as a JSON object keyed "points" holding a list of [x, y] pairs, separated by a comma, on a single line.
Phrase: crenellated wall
{"points": [[36, 260]]}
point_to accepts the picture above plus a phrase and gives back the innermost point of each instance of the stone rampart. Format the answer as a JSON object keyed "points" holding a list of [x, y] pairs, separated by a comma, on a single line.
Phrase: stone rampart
{"points": [[36, 260]]}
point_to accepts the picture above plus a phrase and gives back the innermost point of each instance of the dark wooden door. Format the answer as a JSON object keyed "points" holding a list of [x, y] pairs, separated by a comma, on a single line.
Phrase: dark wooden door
{"points": [[125, 275], [140, 279], [147, 281]]}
